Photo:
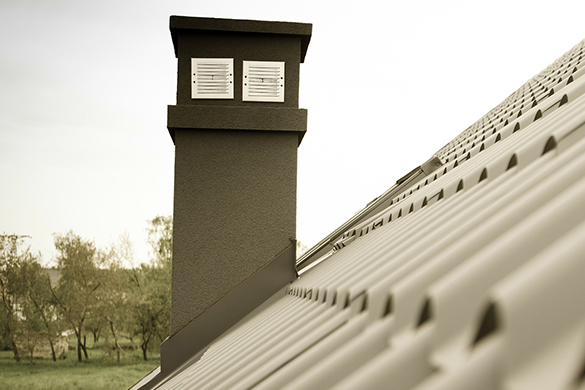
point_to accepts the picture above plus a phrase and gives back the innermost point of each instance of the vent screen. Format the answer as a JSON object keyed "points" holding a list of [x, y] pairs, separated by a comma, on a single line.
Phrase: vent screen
{"points": [[263, 81], [212, 78]]}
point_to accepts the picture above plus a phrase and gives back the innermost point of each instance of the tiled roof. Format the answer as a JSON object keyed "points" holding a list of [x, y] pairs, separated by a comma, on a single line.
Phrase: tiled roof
{"points": [[472, 278]]}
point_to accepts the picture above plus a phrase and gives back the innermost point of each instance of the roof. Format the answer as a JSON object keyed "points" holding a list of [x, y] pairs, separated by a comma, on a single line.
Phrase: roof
{"points": [[470, 277]]}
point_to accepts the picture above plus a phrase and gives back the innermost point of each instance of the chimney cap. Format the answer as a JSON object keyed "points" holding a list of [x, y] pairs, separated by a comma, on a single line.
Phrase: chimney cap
{"points": [[188, 23]]}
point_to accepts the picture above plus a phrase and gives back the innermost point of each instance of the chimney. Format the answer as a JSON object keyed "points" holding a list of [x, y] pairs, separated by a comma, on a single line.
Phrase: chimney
{"points": [[236, 128]]}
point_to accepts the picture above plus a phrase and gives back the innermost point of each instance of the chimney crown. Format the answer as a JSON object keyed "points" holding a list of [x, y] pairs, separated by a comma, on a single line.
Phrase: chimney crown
{"points": [[180, 24]]}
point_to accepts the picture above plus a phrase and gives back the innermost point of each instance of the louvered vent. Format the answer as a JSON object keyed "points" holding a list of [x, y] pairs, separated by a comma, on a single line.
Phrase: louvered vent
{"points": [[263, 81], [212, 78]]}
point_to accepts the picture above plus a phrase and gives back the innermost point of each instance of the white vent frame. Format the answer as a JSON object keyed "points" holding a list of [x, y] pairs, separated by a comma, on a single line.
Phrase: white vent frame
{"points": [[263, 81], [212, 78]]}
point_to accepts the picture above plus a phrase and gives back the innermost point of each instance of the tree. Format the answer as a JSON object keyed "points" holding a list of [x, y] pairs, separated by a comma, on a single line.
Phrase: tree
{"points": [[38, 317], [113, 294], [27, 308], [76, 293], [95, 325], [9, 259], [151, 287], [150, 306], [5, 343], [113, 298], [30, 326], [160, 239], [112, 304]]}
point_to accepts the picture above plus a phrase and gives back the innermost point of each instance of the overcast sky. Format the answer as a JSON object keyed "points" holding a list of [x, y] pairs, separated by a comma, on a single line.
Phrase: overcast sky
{"points": [[84, 87]]}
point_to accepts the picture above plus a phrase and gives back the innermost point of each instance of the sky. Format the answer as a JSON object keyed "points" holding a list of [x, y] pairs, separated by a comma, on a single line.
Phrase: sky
{"points": [[84, 88]]}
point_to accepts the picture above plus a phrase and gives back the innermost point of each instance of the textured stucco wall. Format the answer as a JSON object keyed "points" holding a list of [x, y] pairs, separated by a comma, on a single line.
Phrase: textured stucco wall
{"points": [[234, 211], [236, 118], [240, 47]]}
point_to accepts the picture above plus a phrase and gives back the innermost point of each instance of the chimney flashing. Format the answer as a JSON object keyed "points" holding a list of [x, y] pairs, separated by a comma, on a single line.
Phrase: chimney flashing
{"points": [[193, 339]]}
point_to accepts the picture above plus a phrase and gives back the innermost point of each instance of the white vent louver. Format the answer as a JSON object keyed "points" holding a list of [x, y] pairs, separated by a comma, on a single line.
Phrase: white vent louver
{"points": [[263, 81], [212, 78]]}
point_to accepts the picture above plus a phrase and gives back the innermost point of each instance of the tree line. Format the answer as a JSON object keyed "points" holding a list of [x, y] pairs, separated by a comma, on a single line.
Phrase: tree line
{"points": [[92, 292]]}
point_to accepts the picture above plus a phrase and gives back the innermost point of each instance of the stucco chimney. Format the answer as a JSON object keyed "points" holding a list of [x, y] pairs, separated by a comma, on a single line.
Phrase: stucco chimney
{"points": [[236, 128]]}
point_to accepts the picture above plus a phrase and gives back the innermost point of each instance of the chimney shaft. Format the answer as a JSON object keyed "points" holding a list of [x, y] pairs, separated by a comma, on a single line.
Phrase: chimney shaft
{"points": [[235, 163]]}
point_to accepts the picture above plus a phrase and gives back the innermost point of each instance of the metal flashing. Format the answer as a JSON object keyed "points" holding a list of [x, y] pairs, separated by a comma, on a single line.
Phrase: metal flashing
{"points": [[192, 340], [230, 309]]}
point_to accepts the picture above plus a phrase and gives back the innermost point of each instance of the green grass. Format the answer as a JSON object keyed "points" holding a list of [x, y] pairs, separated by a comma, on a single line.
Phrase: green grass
{"points": [[101, 371]]}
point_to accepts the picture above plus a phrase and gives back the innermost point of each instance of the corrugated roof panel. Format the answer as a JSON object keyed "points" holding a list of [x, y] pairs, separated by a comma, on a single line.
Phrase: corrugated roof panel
{"points": [[470, 279], [253, 369], [259, 336], [347, 358], [536, 333], [457, 296], [320, 351], [535, 90], [409, 292], [399, 368]]}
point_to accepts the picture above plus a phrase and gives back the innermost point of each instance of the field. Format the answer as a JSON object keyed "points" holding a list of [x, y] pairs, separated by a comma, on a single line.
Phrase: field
{"points": [[101, 371]]}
